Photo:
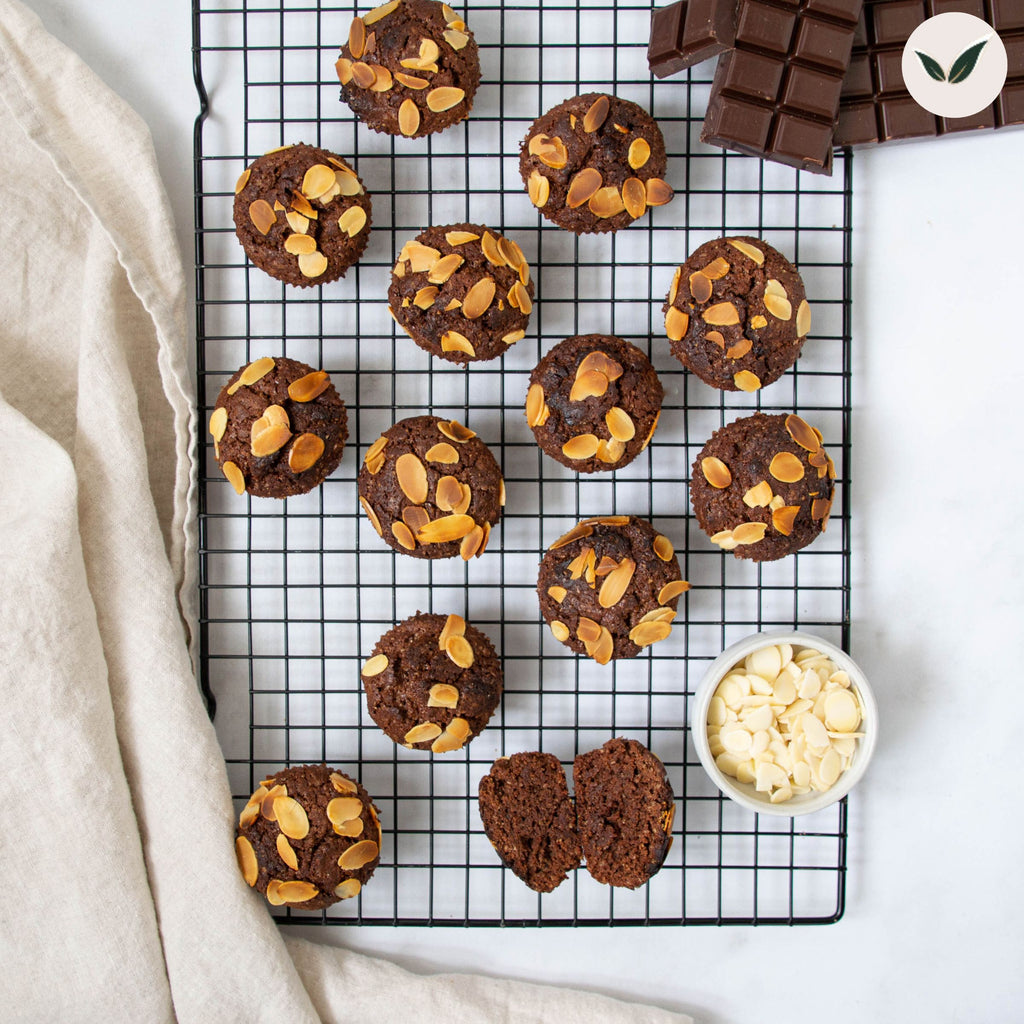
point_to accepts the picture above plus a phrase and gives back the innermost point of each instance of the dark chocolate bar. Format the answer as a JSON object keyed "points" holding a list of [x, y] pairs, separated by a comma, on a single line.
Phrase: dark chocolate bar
{"points": [[776, 93], [689, 31], [875, 105]]}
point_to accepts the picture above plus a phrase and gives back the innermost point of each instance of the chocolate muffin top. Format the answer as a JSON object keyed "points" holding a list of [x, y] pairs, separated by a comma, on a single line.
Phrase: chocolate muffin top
{"points": [[409, 67], [737, 314], [762, 486], [594, 163]]}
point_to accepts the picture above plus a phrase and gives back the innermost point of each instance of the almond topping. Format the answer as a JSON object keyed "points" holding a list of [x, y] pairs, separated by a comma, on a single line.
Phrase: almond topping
{"points": [[610, 451], [372, 17], [606, 202], [296, 245], [234, 477], [359, 855], [802, 432], [478, 298], [716, 338], [722, 314], [757, 322], [560, 631], [373, 667], [291, 817], [746, 381], [588, 630], [700, 288], [672, 590], [425, 297], [748, 250], [539, 189], [403, 535], [455, 431], [601, 649], [595, 116], [269, 438], [423, 733], [552, 153], [303, 205], [286, 853], [582, 446], [803, 319], [619, 424], [749, 533], [588, 384], [785, 466], [513, 336], [460, 650], [460, 237], [634, 197], [759, 495], [312, 264], [444, 268], [455, 38], [371, 515], [452, 341], [583, 185], [408, 118], [646, 633], [740, 349], [411, 81], [472, 544], [580, 530], [776, 301], [243, 179], [305, 451], [295, 891], [491, 250], [658, 192], [444, 98], [261, 213], [598, 360], [616, 583], [716, 472], [317, 180], [454, 625], [351, 886], [443, 695], [445, 529], [820, 508], [442, 452], [535, 406], [218, 422], [311, 386], [663, 548], [716, 269], [520, 298], [783, 518], [557, 594], [343, 66], [357, 37], [352, 221], [247, 862], [677, 323], [448, 493], [639, 153]]}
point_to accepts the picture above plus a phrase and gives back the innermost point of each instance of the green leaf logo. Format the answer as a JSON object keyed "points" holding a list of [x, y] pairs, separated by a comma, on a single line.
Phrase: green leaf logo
{"points": [[933, 67], [964, 64]]}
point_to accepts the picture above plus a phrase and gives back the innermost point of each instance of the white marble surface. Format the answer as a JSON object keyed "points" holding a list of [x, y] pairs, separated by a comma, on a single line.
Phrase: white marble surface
{"points": [[934, 928]]}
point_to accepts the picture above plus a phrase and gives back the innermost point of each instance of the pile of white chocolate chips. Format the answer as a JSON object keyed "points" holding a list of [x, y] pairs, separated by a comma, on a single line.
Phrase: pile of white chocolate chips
{"points": [[785, 721]]}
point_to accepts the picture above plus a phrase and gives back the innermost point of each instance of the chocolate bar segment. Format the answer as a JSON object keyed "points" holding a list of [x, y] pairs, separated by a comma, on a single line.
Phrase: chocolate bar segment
{"points": [[689, 31], [875, 105], [776, 95]]}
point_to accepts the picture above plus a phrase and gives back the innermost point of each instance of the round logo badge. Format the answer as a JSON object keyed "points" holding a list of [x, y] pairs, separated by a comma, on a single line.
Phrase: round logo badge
{"points": [[954, 64]]}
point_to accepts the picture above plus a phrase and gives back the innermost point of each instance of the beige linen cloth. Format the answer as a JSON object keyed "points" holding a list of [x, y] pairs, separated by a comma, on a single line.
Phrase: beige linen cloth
{"points": [[122, 900]]}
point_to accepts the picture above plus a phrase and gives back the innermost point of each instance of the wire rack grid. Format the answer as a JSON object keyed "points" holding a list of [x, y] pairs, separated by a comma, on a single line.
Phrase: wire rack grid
{"points": [[295, 593]]}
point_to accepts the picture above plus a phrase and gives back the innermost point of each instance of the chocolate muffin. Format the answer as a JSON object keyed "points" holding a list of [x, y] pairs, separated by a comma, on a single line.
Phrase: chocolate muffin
{"points": [[410, 67], [302, 215], [593, 402], [610, 586], [308, 837], [279, 428], [624, 811], [462, 292], [433, 682], [530, 819], [431, 488], [762, 487], [594, 163], [737, 314]]}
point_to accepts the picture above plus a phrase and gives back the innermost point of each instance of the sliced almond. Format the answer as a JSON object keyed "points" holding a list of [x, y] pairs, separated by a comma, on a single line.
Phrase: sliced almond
{"points": [[784, 518], [412, 477], [303, 205], [606, 202], [423, 733], [374, 666], [296, 245], [749, 533], [312, 264], [716, 338], [351, 886], [560, 631], [803, 433], [445, 529], [305, 451], [371, 515], [455, 431], [403, 535], [218, 422], [588, 630], [454, 737], [357, 37], [535, 406], [408, 117], [442, 452], [448, 493], [243, 180], [758, 322], [374, 457], [553, 153], [634, 197], [746, 381], [663, 548], [454, 625], [579, 531], [291, 817], [776, 302], [513, 336], [820, 508], [658, 192], [619, 424], [317, 180], [342, 784], [722, 314], [716, 472], [372, 17], [472, 544], [557, 593], [639, 153], [234, 477], [261, 213], [444, 98], [426, 296], [803, 319], [610, 451], [595, 116], [295, 891], [358, 856], [785, 466], [415, 517], [352, 221], [598, 360], [444, 268], [311, 386], [616, 583], [582, 446], [491, 250], [460, 650], [677, 323], [347, 180], [700, 287], [740, 349], [748, 250], [582, 186], [519, 297], [716, 269], [343, 67], [268, 440], [759, 495], [672, 590], [539, 189], [478, 298], [643, 634], [601, 649], [673, 290], [455, 38], [286, 852], [443, 695], [267, 807], [419, 64], [247, 862], [588, 384], [411, 81], [660, 614], [453, 341]]}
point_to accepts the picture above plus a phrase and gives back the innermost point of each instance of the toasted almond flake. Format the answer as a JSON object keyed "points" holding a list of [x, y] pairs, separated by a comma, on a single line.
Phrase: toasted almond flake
{"points": [[294, 891], [634, 197], [619, 423], [352, 221], [557, 593], [746, 381], [610, 451], [445, 529], [343, 66], [357, 37], [429, 50], [478, 298], [419, 64], [306, 449], [358, 856], [444, 268], [776, 502], [218, 422], [342, 784], [582, 186], [658, 192], [663, 548], [513, 336], [722, 314], [243, 179], [411, 81], [535, 406], [552, 153], [588, 630], [442, 452], [598, 360], [459, 650], [759, 495], [351, 828], [749, 533], [582, 446], [606, 202], [472, 543], [371, 515], [303, 205], [412, 477], [453, 341], [317, 180], [601, 649], [267, 808], [716, 269], [423, 733], [757, 322], [408, 117], [415, 517], [716, 472], [374, 666], [673, 290], [748, 250], [677, 323], [716, 338], [522, 298], [700, 287], [803, 433], [443, 695], [444, 98], [820, 508], [403, 535], [296, 245], [291, 817], [783, 518], [646, 633], [375, 455], [426, 296], [460, 237], [455, 38], [274, 897], [672, 590], [616, 583], [311, 386], [491, 250], [740, 349], [448, 493], [312, 264], [785, 466], [803, 319], [372, 17], [261, 213], [270, 439], [247, 862], [588, 384], [659, 615], [539, 189], [724, 540], [579, 531], [455, 431], [512, 253], [780, 308], [234, 477], [639, 153], [286, 853], [454, 625], [560, 631], [595, 116]]}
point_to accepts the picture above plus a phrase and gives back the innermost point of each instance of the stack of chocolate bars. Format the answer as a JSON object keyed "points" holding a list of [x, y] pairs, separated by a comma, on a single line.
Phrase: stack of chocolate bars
{"points": [[796, 78]]}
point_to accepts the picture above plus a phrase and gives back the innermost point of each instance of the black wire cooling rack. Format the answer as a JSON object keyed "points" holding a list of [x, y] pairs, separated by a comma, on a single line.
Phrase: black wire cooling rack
{"points": [[295, 593]]}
